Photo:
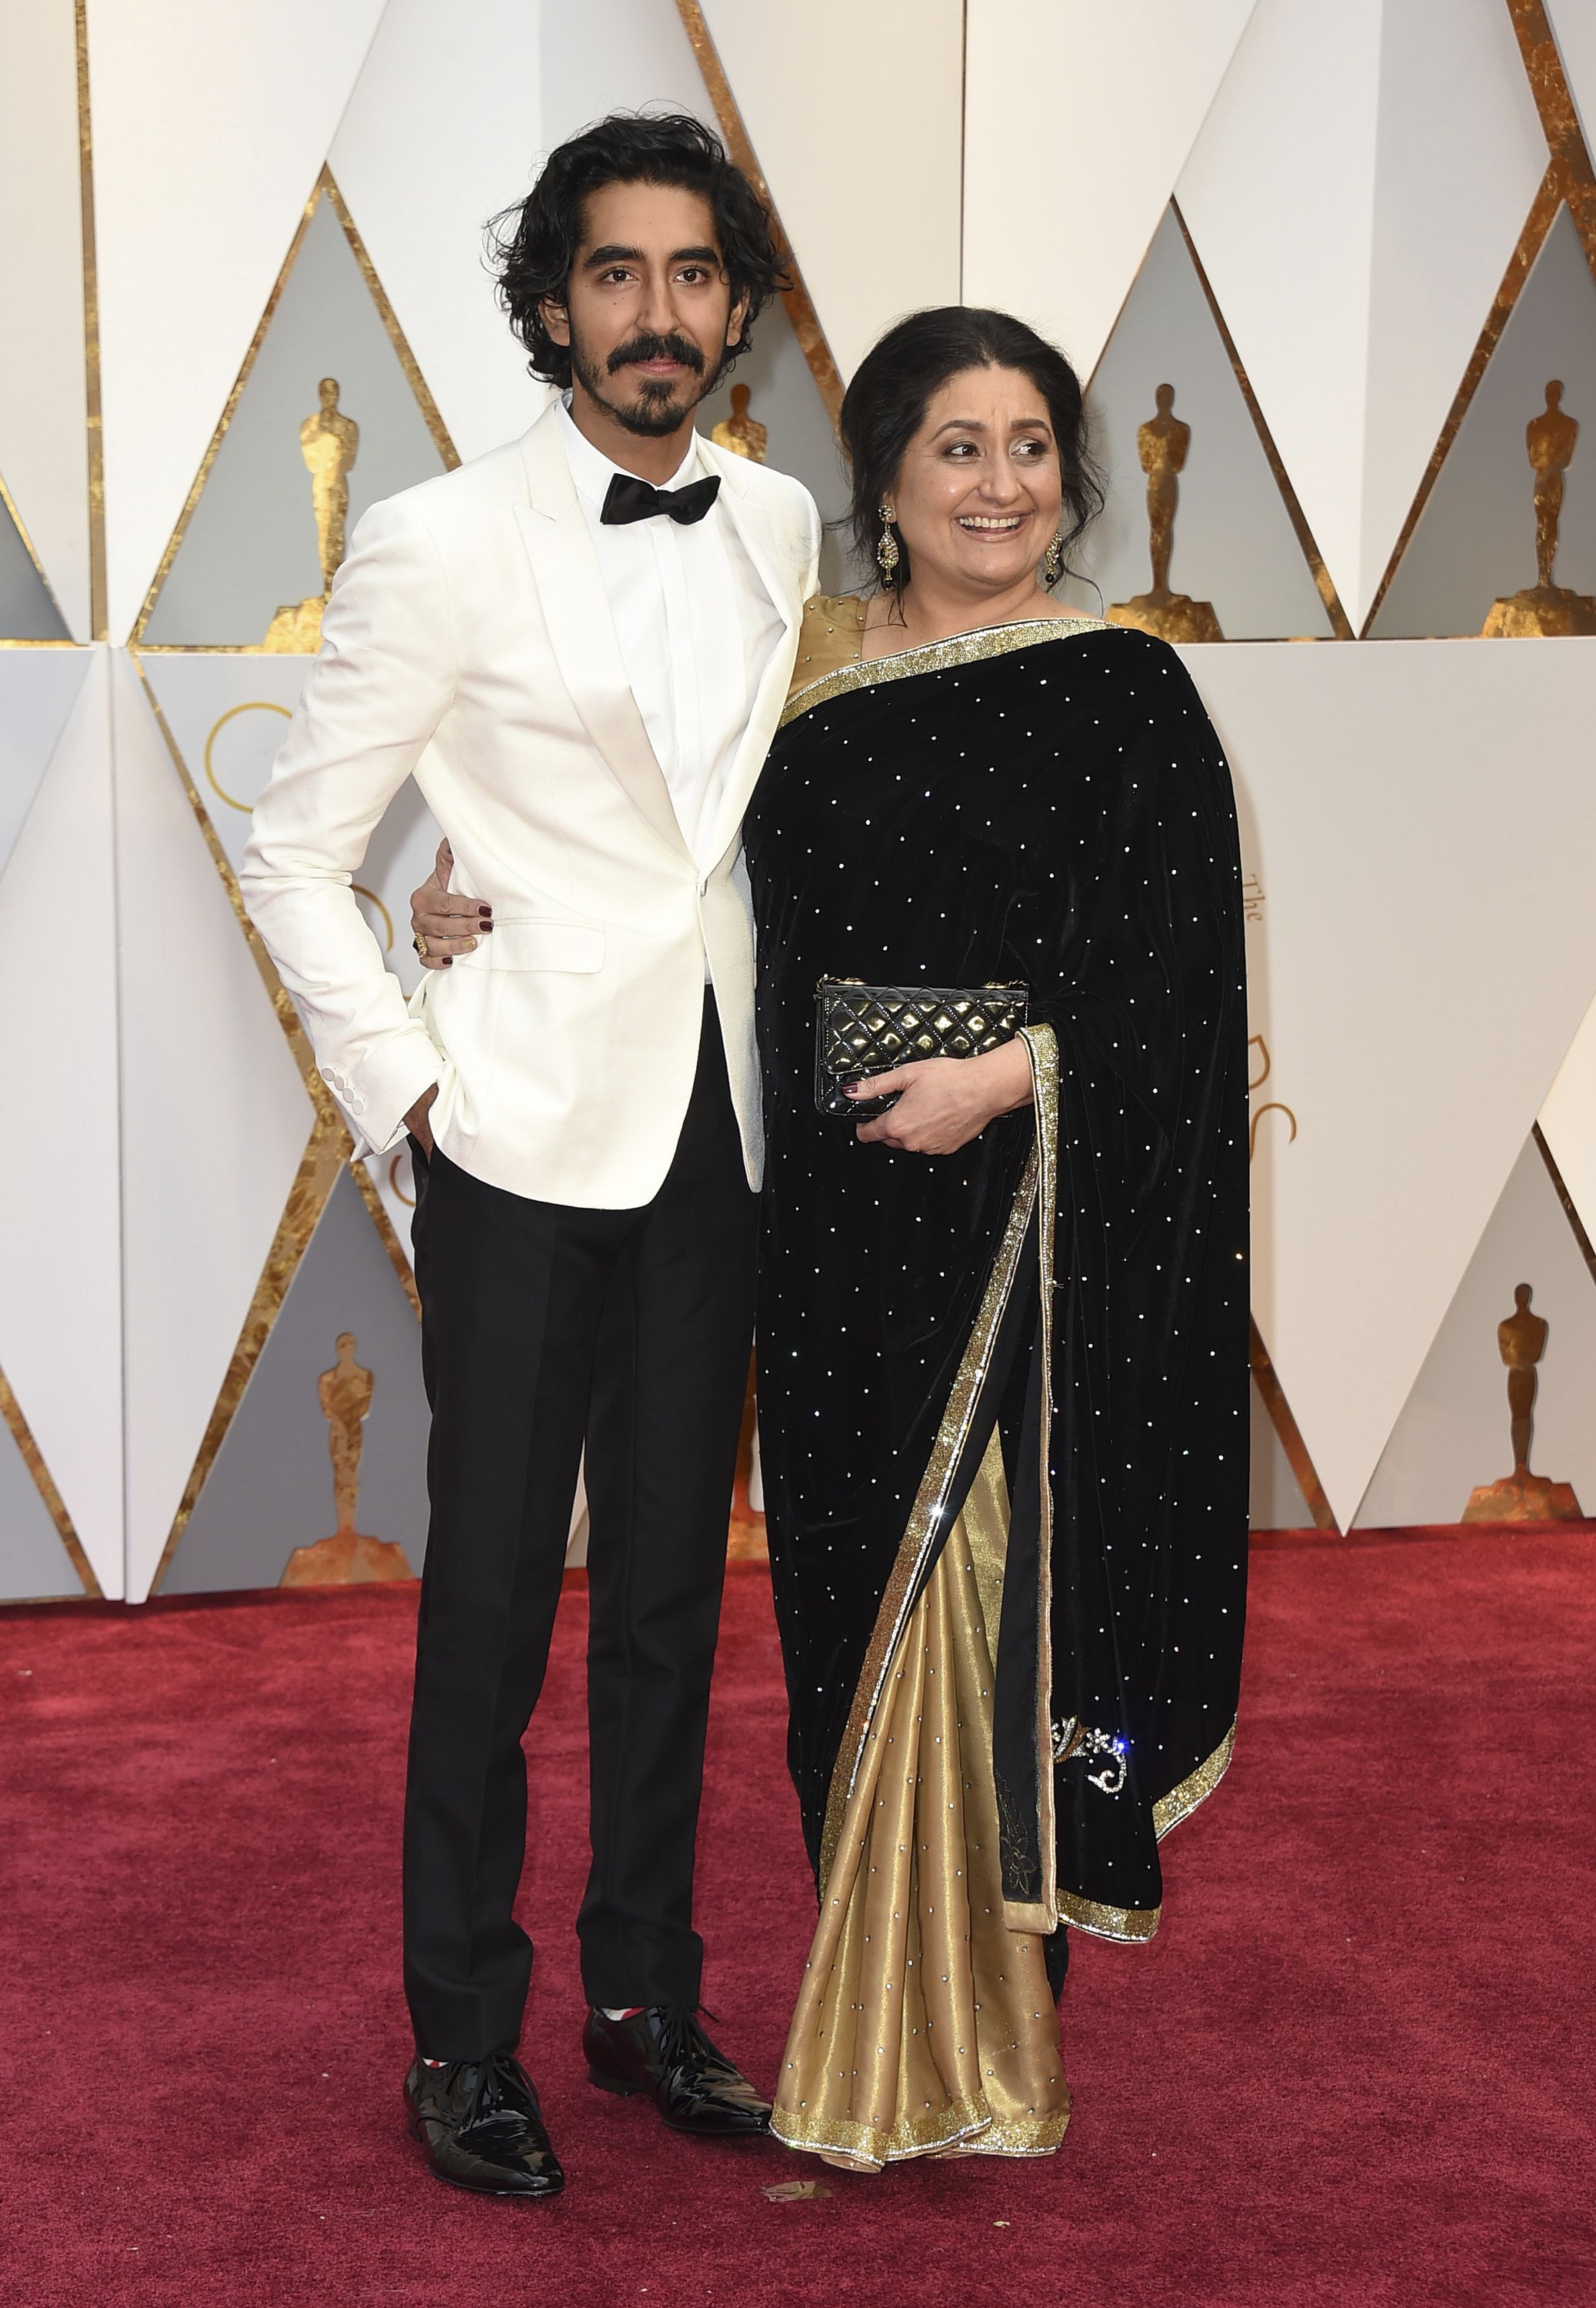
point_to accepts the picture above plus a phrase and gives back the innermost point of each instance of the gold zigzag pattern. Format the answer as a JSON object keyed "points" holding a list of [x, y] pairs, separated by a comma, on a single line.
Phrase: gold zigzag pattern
{"points": [[1569, 179]]}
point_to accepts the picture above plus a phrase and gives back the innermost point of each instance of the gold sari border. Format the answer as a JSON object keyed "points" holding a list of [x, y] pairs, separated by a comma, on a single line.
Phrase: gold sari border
{"points": [[966, 2127], [1104, 1922], [936, 657], [924, 1517], [1180, 1802], [1135, 1924], [1041, 1048], [865, 2143], [1043, 2137]]}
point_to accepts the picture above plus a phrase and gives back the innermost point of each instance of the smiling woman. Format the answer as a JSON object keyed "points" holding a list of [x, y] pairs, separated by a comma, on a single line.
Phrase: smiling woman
{"points": [[967, 437], [1003, 1390]]}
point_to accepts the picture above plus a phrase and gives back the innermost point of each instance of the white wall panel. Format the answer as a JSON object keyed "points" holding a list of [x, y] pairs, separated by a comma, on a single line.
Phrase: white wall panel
{"points": [[616, 55], [34, 1564], [37, 690], [1275, 1495], [1424, 950], [440, 133], [1055, 230], [1574, 28], [853, 107], [60, 1248], [43, 408], [209, 126], [1568, 1121], [214, 1119], [1278, 195], [1459, 154], [27, 611]]}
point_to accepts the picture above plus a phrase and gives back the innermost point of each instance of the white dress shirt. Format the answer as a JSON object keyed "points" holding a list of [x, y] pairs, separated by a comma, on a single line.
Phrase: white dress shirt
{"points": [[696, 626]]}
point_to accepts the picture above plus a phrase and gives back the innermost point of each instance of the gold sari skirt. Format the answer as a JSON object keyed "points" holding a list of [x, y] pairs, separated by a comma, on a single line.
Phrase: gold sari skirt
{"points": [[925, 2026]]}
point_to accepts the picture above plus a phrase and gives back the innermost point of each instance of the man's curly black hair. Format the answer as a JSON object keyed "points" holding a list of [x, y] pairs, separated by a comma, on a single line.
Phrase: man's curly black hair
{"points": [[533, 244]]}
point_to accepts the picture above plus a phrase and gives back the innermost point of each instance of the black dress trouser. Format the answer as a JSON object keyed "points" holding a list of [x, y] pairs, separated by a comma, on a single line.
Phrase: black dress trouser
{"points": [[545, 1326]]}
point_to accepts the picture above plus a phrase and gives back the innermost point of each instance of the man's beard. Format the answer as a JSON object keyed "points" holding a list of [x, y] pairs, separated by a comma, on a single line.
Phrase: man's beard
{"points": [[657, 411]]}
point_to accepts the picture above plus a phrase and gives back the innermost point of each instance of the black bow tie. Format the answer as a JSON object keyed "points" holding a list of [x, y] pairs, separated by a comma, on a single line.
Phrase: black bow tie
{"points": [[630, 499]]}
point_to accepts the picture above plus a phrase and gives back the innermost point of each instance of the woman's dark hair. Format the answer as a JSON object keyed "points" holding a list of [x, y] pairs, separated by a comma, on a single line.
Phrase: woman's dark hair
{"points": [[533, 245], [894, 384]]}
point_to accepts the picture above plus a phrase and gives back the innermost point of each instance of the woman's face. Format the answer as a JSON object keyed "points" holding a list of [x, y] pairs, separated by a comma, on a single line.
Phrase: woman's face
{"points": [[977, 500]]}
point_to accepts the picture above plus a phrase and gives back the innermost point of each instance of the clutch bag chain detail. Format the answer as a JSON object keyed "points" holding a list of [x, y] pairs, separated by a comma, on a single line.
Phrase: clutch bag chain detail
{"points": [[862, 1030]]}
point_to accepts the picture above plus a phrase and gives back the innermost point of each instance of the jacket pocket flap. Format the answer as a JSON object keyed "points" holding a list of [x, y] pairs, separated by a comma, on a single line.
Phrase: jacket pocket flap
{"points": [[538, 945]]}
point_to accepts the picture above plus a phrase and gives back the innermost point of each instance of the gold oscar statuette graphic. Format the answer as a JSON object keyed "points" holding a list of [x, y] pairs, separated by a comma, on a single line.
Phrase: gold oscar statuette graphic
{"points": [[1545, 608], [741, 434], [1521, 1496], [329, 441], [1161, 444], [348, 1558]]}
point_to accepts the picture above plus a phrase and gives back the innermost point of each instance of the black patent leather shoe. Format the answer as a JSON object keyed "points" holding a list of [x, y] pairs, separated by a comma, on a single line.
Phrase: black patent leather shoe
{"points": [[665, 2052], [482, 2128]]}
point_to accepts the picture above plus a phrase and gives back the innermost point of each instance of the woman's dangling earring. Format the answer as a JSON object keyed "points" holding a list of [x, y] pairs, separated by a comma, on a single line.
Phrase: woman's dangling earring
{"points": [[886, 552], [1053, 560]]}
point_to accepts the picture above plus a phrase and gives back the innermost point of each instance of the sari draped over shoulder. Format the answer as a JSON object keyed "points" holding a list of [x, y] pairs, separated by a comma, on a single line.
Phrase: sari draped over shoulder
{"points": [[1002, 1394]]}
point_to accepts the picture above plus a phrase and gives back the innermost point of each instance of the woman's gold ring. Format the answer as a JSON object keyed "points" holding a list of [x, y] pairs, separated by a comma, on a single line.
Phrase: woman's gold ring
{"points": [[419, 942]]}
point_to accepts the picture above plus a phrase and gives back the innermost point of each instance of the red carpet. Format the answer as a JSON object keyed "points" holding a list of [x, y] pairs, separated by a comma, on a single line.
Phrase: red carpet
{"points": [[1356, 2067]]}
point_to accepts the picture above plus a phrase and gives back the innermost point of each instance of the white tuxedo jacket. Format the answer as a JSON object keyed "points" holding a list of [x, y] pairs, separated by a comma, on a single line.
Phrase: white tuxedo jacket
{"points": [[468, 640]]}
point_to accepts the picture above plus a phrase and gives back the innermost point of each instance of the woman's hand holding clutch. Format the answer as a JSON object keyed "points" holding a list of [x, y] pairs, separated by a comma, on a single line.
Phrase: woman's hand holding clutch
{"points": [[945, 1102]]}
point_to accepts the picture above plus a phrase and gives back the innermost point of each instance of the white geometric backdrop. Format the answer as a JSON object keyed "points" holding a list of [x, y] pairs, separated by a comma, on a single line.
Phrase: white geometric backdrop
{"points": [[1357, 240]]}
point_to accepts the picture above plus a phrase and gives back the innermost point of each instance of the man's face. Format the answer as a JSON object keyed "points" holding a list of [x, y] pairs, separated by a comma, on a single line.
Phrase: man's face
{"points": [[650, 307]]}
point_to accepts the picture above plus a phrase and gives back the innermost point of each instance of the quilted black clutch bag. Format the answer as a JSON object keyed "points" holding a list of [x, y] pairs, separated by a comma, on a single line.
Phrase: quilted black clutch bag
{"points": [[862, 1030]]}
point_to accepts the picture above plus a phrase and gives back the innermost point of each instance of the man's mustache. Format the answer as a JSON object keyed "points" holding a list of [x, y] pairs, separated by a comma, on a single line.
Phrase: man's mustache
{"points": [[646, 349]]}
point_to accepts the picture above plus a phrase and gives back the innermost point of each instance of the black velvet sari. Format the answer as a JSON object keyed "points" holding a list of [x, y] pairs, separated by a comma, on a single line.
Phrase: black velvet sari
{"points": [[1045, 803]]}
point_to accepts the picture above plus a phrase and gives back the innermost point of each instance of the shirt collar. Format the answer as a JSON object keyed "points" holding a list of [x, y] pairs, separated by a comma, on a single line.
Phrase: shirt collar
{"points": [[592, 470]]}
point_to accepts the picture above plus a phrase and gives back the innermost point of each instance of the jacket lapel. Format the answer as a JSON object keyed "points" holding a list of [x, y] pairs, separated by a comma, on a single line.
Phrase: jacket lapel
{"points": [[581, 630], [778, 578]]}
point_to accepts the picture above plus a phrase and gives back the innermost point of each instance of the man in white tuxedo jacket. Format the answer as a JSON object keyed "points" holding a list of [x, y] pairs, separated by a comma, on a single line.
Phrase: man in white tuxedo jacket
{"points": [[579, 646]]}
